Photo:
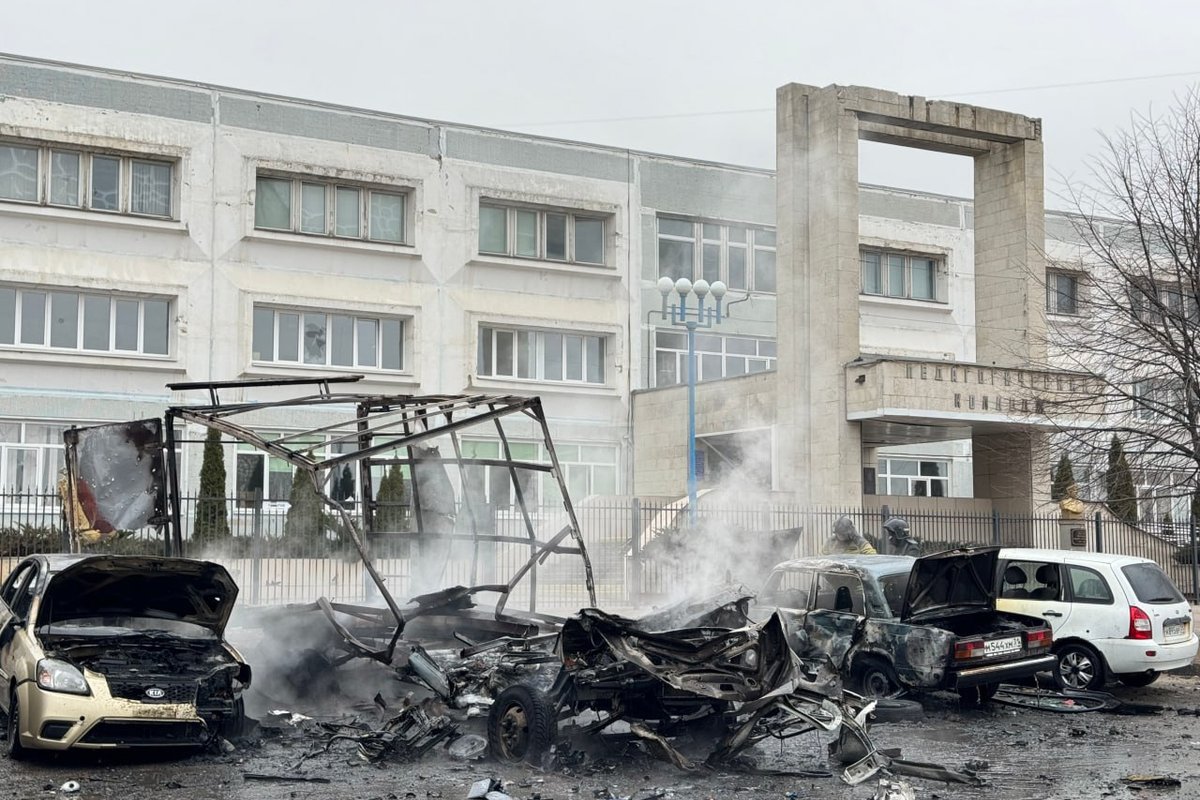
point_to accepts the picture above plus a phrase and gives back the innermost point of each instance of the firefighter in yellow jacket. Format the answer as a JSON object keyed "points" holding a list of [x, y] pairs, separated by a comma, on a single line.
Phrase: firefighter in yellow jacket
{"points": [[846, 539]]}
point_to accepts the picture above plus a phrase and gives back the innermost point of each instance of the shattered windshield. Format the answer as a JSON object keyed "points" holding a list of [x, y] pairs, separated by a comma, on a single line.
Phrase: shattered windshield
{"points": [[894, 586]]}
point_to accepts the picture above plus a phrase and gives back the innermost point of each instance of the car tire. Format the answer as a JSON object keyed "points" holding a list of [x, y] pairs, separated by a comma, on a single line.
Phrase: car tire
{"points": [[889, 709], [1138, 679], [13, 746], [1079, 668], [521, 725], [873, 678], [234, 725]]}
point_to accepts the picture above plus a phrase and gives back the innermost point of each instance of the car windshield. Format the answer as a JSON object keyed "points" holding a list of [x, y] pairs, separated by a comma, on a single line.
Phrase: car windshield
{"points": [[126, 626], [1151, 584], [894, 586]]}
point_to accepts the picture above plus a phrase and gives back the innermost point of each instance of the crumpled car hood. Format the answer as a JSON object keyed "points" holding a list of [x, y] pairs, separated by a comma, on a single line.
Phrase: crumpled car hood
{"points": [[956, 579], [182, 589]]}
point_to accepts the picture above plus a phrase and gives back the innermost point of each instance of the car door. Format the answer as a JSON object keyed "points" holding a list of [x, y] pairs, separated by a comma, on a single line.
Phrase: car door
{"points": [[15, 595], [1035, 588], [787, 590], [837, 609], [1092, 605]]}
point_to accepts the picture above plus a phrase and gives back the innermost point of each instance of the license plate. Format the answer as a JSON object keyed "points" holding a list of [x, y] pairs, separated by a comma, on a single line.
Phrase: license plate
{"points": [[1174, 631], [998, 647]]}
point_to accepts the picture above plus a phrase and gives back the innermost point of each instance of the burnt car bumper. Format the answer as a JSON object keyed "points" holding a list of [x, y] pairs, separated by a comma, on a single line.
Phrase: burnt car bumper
{"points": [[58, 721], [1001, 673]]}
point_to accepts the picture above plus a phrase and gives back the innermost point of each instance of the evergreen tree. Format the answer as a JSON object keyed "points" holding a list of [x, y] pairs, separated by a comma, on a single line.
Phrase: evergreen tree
{"points": [[306, 520], [391, 515], [1118, 484], [1064, 476], [212, 522]]}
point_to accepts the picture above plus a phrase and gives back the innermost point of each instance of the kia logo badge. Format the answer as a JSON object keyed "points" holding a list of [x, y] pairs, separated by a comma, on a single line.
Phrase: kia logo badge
{"points": [[155, 693]]}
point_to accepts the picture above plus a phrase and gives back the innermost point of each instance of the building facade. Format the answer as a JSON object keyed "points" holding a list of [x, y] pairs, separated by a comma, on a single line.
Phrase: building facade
{"points": [[156, 230]]}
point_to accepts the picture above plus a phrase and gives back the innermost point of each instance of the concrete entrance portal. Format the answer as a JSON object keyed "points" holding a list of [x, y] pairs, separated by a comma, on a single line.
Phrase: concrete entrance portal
{"points": [[820, 414]]}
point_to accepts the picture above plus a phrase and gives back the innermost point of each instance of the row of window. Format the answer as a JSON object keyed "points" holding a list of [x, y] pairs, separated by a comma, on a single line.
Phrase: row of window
{"points": [[742, 257], [94, 322], [96, 181], [717, 356]]}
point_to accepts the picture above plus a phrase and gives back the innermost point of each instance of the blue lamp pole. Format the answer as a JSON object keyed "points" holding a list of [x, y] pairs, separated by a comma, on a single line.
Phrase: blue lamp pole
{"points": [[701, 316]]}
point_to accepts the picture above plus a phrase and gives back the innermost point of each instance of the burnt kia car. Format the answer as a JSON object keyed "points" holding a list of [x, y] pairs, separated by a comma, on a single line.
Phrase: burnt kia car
{"points": [[897, 622], [105, 651]]}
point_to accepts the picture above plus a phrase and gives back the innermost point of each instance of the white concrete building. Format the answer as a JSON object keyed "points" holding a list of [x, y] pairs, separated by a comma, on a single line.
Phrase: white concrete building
{"points": [[156, 230]]}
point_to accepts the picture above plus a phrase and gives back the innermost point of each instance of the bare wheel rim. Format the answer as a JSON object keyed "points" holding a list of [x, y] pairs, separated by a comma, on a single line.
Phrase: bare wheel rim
{"points": [[1077, 669], [514, 732], [876, 683]]}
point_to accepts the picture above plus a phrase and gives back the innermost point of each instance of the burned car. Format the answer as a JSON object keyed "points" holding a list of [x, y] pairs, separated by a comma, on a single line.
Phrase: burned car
{"points": [[895, 622], [732, 686], [105, 651]]}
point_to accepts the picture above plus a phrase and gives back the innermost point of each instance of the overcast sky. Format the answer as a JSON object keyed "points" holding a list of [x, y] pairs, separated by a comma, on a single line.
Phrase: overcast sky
{"points": [[580, 70]]}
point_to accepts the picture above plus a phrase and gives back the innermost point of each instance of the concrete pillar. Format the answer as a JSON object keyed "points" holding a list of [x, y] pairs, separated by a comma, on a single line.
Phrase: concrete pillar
{"points": [[1013, 469], [1010, 269], [818, 275]]}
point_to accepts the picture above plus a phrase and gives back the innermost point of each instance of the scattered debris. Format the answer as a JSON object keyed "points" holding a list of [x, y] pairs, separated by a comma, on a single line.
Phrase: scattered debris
{"points": [[481, 788], [468, 748], [1066, 701], [1151, 782], [70, 787], [889, 789], [257, 776]]}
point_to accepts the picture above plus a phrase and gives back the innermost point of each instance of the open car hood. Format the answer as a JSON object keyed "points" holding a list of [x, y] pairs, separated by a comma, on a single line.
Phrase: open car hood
{"points": [[952, 580], [180, 589]]}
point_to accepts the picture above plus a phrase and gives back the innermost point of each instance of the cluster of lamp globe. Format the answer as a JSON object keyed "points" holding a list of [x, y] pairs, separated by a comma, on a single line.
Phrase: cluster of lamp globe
{"points": [[683, 286]]}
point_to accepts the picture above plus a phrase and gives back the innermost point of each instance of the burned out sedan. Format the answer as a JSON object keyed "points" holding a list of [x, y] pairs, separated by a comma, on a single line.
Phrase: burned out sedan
{"points": [[108, 651], [896, 622]]}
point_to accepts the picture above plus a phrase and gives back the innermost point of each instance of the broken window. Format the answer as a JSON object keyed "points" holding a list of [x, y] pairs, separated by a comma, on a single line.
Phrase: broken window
{"points": [[319, 339], [838, 592], [121, 183], [788, 588], [1031, 580]]}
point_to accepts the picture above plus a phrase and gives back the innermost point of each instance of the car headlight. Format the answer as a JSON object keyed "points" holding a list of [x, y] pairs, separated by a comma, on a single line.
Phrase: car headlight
{"points": [[59, 676]]}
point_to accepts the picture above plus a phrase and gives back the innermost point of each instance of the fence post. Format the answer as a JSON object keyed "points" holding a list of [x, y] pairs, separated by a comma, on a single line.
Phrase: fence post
{"points": [[256, 548], [885, 513], [995, 527], [1195, 568], [1099, 533], [634, 591]]}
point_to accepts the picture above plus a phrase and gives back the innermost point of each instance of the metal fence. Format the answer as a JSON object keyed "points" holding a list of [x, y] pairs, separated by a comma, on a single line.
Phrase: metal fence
{"points": [[641, 551]]}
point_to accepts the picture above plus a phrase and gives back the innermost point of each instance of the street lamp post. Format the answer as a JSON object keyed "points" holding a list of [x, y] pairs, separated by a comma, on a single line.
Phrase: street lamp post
{"points": [[702, 316]]}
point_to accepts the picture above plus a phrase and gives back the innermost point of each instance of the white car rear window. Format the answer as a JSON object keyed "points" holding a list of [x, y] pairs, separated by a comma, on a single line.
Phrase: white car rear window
{"points": [[1151, 584]]}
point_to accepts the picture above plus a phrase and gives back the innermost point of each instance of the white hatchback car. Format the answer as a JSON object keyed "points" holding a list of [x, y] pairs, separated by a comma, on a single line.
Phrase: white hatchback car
{"points": [[1113, 616]]}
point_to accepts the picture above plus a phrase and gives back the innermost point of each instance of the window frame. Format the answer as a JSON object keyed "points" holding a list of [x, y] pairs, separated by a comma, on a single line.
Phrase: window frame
{"points": [[1070, 582], [329, 313], [937, 275], [81, 298], [768, 361], [538, 360], [541, 232], [366, 192], [1052, 290], [87, 155], [886, 475], [749, 246]]}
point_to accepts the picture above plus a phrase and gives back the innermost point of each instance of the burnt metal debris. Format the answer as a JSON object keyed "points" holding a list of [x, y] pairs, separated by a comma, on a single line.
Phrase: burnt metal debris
{"points": [[696, 684]]}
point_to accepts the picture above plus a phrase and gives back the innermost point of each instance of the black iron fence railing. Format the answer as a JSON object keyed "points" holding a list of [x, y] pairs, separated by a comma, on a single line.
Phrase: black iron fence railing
{"points": [[641, 551]]}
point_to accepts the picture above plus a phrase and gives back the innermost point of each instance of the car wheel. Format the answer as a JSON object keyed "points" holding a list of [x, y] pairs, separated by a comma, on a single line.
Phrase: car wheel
{"points": [[16, 750], [1079, 668], [891, 710], [234, 725], [874, 677], [1138, 678], [521, 725]]}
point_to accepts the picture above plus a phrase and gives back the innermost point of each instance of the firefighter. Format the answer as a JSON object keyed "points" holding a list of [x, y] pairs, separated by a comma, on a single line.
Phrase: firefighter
{"points": [[900, 540], [846, 539]]}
